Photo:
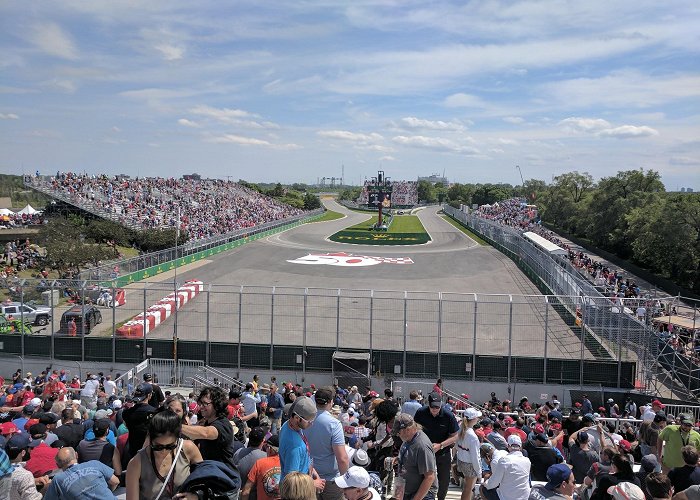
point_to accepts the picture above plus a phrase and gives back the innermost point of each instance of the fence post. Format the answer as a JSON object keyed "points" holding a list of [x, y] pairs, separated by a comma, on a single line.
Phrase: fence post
{"points": [[510, 338], [240, 329], [405, 329], [619, 346], [476, 303], [272, 325], [82, 322], [583, 342], [145, 347], [546, 337], [303, 352], [21, 316], [53, 322], [207, 346], [337, 322], [371, 317], [439, 344], [114, 324]]}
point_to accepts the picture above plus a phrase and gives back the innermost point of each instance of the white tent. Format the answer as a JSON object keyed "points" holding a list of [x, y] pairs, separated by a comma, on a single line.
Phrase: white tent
{"points": [[6, 211], [29, 210]]}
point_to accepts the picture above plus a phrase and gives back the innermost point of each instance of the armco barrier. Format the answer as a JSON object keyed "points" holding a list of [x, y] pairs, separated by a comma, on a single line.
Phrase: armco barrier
{"points": [[143, 323]]}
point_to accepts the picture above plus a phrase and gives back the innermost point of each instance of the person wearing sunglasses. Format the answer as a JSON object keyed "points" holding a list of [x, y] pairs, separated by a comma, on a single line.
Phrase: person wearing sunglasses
{"points": [[158, 470], [295, 454]]}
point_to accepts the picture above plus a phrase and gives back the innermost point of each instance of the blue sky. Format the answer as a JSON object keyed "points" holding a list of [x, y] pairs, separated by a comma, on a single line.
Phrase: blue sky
{"points": [[291, 91]]}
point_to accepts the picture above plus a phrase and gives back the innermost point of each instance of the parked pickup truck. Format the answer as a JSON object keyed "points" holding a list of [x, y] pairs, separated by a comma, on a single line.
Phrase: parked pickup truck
{"points": [[39, 316]]}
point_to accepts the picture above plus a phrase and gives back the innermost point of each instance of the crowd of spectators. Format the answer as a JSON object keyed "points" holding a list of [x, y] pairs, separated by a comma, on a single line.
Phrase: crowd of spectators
{"points": [[16, 220], [208, 207], [63, 438]]}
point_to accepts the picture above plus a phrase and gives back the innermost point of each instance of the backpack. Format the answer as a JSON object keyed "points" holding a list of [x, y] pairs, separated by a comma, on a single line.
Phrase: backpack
{"points": [[212, 480]]}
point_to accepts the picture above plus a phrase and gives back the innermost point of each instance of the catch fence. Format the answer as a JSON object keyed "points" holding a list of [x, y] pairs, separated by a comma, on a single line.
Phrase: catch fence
{"points": [[505, 338]]}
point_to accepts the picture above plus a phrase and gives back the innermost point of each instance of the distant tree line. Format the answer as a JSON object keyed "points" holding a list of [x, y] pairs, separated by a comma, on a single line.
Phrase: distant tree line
{"points": [[629, 214], [297, 195]]}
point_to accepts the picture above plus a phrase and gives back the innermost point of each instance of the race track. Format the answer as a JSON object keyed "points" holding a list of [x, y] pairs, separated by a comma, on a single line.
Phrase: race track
{"points": [[452, 263]]}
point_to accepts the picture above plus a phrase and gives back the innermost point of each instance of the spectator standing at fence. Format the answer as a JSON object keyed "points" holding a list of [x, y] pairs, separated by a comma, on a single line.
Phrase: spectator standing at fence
{"points": [[541, 456], [442, 429], [88, 396], [675, 438], [586, 405], [581, 457], [275, 405], [72, 328], [468, 456], [250, 400], [412, 405], [650, 412], [136, 419], [110, 386], [213, 432], [327, 445], [649, 434]]}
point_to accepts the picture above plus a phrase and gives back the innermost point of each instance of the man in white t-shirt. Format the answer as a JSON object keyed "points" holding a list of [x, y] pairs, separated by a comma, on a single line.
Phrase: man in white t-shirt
{"points": [[355, 485], [110, 386]]}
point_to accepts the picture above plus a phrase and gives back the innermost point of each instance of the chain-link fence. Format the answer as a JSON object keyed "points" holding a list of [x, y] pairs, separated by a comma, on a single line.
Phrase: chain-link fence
{"points": [[408, 334], [612, 324]]}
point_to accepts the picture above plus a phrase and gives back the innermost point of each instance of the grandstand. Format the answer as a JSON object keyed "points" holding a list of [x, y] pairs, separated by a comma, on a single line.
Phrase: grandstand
{"points": [[208, 207]]}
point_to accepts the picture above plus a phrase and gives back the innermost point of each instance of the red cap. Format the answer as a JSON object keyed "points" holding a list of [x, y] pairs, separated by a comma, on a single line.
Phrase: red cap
{"points": [[539, 429], [578, 405], [658, 403], [30, 422], [313, 386], [555, 427], [8, 428], [308, 394], [625, 445], [508, 420]]}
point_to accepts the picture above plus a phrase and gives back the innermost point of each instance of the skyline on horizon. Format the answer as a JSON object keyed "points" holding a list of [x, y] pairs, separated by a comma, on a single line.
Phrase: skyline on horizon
{"points": [[270, 94]]}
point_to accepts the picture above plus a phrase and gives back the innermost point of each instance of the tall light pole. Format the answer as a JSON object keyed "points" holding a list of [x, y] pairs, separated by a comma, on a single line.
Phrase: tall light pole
{"points": [[521, 175]]}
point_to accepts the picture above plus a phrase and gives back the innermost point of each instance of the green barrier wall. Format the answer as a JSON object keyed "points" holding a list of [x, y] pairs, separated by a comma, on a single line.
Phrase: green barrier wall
{"points": [[189, 259]]}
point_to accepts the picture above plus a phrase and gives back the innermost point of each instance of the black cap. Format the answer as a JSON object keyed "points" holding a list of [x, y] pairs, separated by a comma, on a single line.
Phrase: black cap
{"points": [[147, 377], [48, 418], [435, 400], [142, 392], [273, 441]]}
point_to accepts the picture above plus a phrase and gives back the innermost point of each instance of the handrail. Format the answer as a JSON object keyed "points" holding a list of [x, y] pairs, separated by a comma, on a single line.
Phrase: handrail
{"points": [[222, 376]]}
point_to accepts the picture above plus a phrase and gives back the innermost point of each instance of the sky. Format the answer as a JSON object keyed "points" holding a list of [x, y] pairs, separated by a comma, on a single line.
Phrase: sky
{"points": [[295, 91]]}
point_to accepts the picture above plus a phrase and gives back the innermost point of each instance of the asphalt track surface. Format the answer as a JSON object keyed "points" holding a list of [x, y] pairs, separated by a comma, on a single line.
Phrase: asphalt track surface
{"points": [[452, 263]]}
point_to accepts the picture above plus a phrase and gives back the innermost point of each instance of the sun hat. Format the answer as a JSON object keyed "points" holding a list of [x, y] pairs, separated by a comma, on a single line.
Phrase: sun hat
{"points": [[355, 477]]}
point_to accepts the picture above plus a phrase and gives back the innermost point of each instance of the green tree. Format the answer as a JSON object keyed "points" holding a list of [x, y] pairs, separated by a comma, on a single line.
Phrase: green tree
{"points": [[277, 191], [311, 202], [67, 248], [426, 192], [350, 194], [460, 193], [563, 203], [487, 194]]}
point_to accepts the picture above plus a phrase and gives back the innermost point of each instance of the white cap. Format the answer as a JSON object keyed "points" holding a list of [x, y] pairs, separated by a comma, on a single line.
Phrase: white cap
{"points": [[360, 458], [514, 440], [355, 477], [35, 402], [626, 491], [116, 404], [472, 413]]}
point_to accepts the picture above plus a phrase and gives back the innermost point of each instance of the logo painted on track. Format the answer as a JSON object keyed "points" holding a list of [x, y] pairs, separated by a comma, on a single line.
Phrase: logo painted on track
{"points": [[348, 260]]}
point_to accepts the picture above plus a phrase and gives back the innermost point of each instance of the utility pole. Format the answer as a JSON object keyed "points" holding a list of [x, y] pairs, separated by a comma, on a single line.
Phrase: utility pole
{"points": [[177, 237], [521, 175]]}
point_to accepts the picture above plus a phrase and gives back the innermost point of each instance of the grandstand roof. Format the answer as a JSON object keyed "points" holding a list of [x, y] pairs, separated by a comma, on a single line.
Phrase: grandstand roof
{"points": [[544, 244]]}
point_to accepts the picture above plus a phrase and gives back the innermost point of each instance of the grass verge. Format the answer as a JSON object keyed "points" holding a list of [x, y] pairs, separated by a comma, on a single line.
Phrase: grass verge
{"points": [[465, 230], [328, 215], [404, 230]]}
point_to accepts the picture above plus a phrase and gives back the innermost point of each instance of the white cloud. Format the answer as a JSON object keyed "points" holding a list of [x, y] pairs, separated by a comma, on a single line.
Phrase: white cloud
{"points": [[53, 40], [577, 124], [628, 131], [170, 52], [345, 135], [248, 141], [188, 123], [387, 158], [603, 128], [514, 119], [116, 129], [461, 100], [222, 114], [8, 116], [434, 144], [507, 142], [413, 123]]}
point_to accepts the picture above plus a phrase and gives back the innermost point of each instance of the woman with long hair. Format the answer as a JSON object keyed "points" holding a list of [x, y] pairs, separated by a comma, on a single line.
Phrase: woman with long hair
{"points": [[297, 486], [468, 456], [159, 468]]}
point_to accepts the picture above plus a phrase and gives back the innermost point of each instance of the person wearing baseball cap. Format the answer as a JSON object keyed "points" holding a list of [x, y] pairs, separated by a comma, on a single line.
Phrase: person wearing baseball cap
{"points": [[264, 476], [442, 429], [675, 438], [294, 448], [355, 485], [468, 459], [417, 461], [560, 484], [136, 419], [510, 476]]}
